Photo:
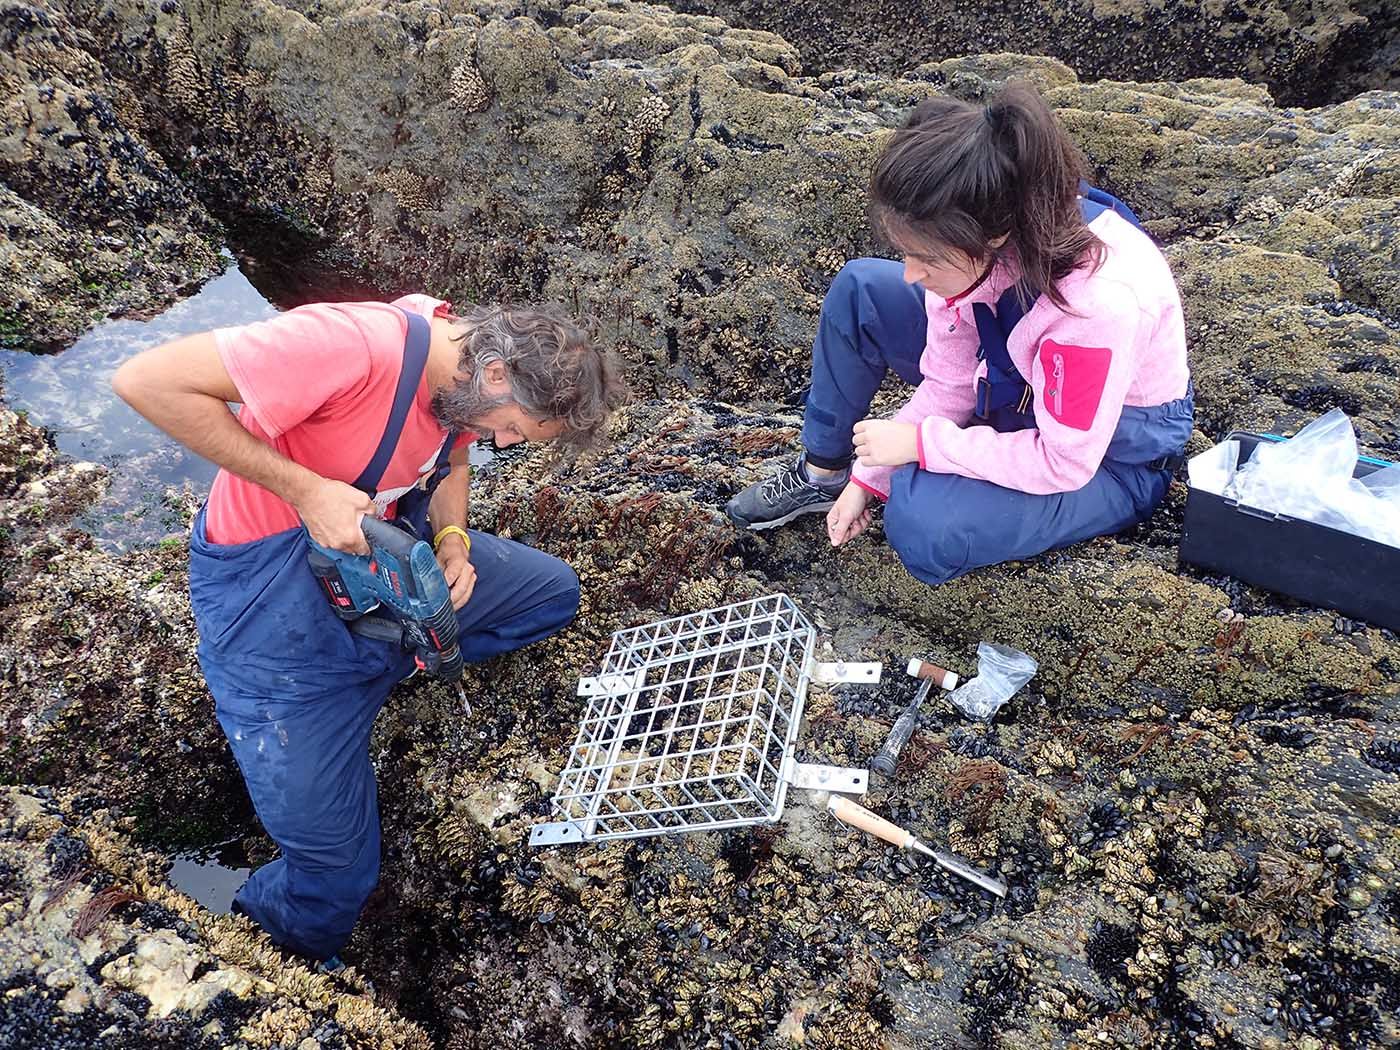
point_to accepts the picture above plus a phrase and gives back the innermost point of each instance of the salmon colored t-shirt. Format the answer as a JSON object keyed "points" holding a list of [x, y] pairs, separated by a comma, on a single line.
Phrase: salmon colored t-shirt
{"points": [[317, 384]]}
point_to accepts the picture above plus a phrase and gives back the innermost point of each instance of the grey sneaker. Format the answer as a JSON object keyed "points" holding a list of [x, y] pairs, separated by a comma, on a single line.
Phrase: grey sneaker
{"points": [[777, 500]]}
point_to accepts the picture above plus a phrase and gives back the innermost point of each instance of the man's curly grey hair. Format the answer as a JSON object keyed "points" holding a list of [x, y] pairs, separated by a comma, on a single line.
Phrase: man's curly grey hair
{"points": [[556, 368]]}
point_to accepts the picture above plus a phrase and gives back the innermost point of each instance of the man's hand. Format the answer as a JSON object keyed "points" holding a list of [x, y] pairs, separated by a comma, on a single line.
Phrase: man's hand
{"points": [[332, 512], [850, 516], [461, 576], [885, 443]]}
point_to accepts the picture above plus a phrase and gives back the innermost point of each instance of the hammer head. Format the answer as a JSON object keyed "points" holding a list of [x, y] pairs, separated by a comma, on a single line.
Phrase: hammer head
{"points": [[940, 676]]}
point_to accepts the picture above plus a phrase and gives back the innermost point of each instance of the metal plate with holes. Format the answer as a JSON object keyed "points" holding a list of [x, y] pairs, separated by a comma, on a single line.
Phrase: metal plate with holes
{"points": [[846, 674], [840, 779], [690, 725]]}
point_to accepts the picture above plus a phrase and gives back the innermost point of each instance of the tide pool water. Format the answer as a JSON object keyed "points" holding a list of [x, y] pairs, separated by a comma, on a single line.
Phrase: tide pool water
{"points": [[69, 393]]}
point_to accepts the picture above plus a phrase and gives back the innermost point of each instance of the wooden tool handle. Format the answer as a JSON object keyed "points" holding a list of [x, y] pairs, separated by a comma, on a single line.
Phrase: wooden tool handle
{"points": [[858, 816], [941, 676]]}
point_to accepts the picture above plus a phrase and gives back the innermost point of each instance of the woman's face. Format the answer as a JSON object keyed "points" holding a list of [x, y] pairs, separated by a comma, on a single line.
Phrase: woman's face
{"points": [[942, 269], [951, 274]]}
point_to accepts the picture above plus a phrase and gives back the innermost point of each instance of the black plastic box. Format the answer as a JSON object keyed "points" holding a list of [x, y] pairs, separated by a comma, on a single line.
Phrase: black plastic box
{"points": [[1320, 565]]}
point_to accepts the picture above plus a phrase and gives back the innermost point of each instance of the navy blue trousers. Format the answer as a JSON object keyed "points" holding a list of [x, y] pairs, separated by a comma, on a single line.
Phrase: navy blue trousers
{"points": [[296, 693], [944, 525]]}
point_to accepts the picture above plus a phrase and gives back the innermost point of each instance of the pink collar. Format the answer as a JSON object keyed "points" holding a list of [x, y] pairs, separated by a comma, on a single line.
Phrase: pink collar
{"points": [[989, 287]]}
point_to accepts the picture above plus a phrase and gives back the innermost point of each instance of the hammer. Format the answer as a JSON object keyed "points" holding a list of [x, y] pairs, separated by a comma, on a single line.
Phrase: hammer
{"points": [[884, 760]]}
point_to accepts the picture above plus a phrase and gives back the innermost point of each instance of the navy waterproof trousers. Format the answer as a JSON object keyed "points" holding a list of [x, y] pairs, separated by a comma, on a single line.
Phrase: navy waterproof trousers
{"points": [[944, 525], [296, 693]]}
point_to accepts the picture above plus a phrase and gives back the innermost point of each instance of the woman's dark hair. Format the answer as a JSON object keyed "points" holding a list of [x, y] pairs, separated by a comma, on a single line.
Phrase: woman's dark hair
{"points": [[959, 175]]}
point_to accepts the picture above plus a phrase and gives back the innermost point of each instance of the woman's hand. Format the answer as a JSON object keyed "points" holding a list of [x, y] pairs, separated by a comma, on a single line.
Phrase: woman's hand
{"points": [[457, 568], [850, 516], [885, 443]]}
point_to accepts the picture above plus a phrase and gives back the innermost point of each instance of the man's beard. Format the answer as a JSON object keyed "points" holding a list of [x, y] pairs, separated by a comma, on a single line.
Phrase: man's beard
{"points": [[462, 407]]}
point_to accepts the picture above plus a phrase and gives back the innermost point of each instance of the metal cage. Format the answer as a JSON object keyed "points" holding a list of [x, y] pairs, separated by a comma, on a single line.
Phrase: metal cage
{"points": [[690, 725]]}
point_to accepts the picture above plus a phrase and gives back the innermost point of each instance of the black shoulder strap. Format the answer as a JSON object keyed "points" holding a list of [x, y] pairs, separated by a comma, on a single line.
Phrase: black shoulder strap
{"points": [[415, 358], [442, 468]]}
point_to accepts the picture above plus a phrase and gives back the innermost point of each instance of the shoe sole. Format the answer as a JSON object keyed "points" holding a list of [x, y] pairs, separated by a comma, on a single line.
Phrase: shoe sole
{"points": [[761, 526]]}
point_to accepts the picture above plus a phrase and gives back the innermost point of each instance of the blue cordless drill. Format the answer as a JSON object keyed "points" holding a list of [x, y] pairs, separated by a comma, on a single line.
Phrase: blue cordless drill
{"points": [[401, 574]]}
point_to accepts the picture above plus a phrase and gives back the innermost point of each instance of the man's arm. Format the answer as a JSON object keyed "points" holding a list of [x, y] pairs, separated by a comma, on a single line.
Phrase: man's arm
{"points": [[182, 387], [450, 499], [449, 507]]}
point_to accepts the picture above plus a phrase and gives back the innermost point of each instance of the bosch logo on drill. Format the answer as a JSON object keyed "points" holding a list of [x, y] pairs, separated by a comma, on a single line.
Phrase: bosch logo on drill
{"points": [[389, 575]]}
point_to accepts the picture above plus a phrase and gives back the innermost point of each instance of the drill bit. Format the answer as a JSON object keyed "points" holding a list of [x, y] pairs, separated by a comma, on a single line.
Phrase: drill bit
{"points": [[466, 704]]}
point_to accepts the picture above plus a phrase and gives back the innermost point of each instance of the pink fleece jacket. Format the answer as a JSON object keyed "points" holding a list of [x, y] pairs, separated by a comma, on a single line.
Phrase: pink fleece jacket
{"points": [[1122, 342]]}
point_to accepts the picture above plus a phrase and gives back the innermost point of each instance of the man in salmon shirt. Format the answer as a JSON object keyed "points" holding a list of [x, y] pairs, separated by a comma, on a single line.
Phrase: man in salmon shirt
{"points": [[351, 409]]}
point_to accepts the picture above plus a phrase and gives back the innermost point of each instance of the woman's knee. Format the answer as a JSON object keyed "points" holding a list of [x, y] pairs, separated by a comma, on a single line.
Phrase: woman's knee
{"points": [[863, 273], [932, 546]]}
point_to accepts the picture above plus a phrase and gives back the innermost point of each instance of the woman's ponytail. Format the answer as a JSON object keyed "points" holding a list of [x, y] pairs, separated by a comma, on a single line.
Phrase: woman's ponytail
{"points": [[960, 176]]}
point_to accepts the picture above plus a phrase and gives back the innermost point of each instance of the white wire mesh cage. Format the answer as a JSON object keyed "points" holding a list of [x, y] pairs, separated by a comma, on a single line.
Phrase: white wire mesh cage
{"points": [[690, 725]]}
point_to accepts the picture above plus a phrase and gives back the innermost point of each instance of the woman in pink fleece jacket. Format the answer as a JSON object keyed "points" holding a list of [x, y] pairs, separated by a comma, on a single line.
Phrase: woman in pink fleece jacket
{"points": [[1041, 328]]}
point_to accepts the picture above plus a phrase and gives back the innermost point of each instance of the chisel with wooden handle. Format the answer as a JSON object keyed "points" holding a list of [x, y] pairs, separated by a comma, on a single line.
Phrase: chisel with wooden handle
{"points": [[856, 815]]}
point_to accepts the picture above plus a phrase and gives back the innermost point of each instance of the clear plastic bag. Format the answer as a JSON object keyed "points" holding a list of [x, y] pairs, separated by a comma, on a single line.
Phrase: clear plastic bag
{"points": [[1211, 470], [1310, 477], [1001, 670], [1380, 520]]}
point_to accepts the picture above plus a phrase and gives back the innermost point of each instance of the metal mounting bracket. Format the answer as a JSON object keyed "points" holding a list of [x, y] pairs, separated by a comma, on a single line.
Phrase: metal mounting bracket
{"points": [[610, 684], [556, 833], [846, 673], [814, 777]]}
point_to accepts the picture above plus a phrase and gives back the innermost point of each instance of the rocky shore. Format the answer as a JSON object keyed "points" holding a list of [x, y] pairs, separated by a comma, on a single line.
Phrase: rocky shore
{"points": [[1194, 802], [1307, 53]]}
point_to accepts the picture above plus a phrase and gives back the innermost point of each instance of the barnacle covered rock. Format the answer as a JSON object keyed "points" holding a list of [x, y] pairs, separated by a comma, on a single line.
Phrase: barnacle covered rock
{"points": [[96, 947], [93, 218], [1306, 52]]}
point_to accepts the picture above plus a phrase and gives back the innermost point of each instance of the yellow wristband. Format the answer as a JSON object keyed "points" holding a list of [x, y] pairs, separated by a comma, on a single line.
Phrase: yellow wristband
{"points": [[452, 530]]}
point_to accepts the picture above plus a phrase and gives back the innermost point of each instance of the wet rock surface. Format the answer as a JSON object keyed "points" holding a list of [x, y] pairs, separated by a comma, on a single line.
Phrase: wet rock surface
{"points": [[94, 220], [100, 952], [1194, 801], [1306, 52], [1193, 806]]}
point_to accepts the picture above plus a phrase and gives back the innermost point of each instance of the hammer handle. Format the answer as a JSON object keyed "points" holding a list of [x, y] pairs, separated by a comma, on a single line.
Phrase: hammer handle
{"points": [[885, 760], [941, 676]]}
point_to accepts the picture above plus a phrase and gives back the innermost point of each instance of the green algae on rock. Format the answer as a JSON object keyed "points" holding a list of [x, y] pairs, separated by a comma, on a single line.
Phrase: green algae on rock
{"points": [[677, 178]]}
